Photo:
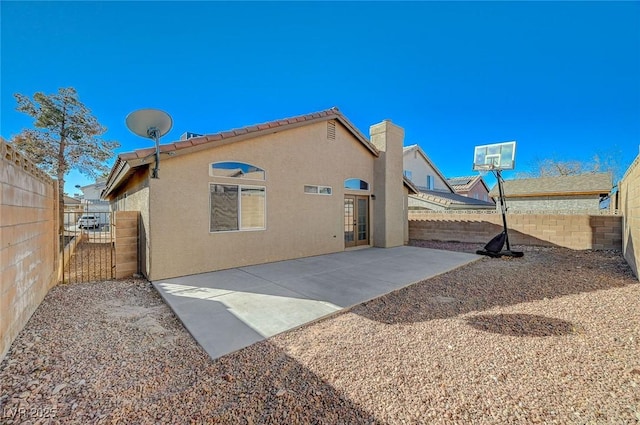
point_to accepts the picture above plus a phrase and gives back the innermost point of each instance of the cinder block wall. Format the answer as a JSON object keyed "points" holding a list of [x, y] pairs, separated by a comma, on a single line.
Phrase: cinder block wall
{"points": [[29, 243], [126, 225], [629, 192], [566, 230]]}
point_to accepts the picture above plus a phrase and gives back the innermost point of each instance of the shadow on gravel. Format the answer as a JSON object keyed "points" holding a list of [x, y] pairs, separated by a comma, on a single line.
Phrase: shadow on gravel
{"points": [[522, 325], [263, 384], [543, 273], [127, 379]]}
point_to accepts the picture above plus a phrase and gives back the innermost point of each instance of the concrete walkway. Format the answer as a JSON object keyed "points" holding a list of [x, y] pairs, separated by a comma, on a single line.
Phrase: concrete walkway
{"points": [[232, 309]]}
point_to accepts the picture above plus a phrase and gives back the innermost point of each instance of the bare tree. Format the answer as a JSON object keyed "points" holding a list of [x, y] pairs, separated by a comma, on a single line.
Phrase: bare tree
{"points": [[551, 167], [66, 137]]}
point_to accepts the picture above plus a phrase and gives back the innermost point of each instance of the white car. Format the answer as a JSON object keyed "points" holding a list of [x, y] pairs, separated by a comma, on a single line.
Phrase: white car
{"points": [[88, 221]]}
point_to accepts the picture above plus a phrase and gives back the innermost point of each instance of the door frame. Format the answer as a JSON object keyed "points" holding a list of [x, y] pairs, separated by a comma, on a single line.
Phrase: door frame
{"points": [[355, 224]]}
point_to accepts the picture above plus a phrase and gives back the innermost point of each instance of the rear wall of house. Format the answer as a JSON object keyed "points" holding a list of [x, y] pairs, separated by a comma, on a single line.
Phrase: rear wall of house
{"points": [[629, 191], [479, 192], [297, 224]]}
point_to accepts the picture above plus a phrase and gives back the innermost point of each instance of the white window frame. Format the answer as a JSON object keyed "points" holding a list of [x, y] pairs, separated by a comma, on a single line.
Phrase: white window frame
{"points": [[430, 182], [318, 188], [359, 190], [234, 178], [240, 187]]}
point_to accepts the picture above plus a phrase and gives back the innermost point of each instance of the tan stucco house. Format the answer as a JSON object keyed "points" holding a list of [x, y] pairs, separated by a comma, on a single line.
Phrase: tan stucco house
{"points": [[290, 188]]}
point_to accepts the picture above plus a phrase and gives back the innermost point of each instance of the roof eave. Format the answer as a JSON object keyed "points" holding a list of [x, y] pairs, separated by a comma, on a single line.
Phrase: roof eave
{"points": [[116, 178]]}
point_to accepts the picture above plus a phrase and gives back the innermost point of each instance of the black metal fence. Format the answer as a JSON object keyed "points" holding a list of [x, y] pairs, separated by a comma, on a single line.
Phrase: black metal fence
{"points": [[88, 252]]}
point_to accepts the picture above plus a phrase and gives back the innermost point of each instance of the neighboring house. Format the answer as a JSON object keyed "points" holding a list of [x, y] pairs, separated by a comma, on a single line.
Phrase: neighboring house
{"points": [[582, 192], [435, 192], [92, 203], [72, 210], [72, 204], [471, 187], [285, 189], [93, 191], [421, 171]]}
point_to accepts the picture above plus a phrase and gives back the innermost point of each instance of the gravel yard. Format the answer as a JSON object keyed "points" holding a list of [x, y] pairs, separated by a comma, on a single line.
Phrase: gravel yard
{"points": [[553, 337]]}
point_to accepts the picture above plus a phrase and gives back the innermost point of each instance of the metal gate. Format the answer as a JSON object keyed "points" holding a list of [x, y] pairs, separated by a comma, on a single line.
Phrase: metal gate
{"points": [[88, 253]]}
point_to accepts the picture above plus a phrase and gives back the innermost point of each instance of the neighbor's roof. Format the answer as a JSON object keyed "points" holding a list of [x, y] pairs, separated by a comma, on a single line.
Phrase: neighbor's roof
{"points": [[412, 187], [126, 163], [68, 200], [581, 184], [465, 184], [453, 200]]}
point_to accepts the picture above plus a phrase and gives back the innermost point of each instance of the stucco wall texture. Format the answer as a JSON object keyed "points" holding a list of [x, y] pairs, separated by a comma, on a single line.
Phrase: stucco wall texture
{"points": [[629, 189], [175, 209], [29, 243], [567, 230]]}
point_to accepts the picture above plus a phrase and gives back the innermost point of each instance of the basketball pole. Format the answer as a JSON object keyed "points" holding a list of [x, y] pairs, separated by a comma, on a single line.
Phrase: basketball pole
{"points": [[503, 207]]}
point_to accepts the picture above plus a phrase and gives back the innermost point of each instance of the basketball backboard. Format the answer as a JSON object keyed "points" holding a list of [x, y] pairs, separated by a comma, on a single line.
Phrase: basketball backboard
{"points": [[497, 156]]}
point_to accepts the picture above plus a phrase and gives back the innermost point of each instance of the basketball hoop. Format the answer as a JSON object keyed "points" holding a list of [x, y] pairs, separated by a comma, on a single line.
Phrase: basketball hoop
{"points": [[495, 158]]}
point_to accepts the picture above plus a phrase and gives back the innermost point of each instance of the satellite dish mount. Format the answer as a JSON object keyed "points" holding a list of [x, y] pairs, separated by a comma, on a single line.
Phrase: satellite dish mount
{"points": [[152, 124]]}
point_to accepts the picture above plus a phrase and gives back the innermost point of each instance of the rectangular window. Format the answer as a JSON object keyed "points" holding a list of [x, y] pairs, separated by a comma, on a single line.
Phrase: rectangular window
{"points": [[310, 189], [407, 174], [237, 208], [430, 182], [252, 207], [317, 190]]}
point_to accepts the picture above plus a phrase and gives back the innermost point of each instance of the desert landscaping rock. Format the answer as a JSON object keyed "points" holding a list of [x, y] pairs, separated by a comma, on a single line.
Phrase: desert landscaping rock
{"points": [[553, 337]]}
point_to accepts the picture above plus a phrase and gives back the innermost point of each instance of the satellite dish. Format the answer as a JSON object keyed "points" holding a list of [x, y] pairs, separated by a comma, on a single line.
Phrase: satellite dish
{"points": [[153, 124], [149, 123]]}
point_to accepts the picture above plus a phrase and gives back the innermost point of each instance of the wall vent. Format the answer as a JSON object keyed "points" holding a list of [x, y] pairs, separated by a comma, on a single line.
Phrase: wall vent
{"points": [[331, 130]]}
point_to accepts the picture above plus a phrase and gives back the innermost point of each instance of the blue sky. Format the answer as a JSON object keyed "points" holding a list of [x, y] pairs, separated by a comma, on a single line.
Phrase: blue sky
{"points": [[561, 78]]}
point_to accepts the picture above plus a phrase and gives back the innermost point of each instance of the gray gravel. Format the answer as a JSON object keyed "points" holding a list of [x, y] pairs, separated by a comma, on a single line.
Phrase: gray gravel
{"points": [[553, 337]]}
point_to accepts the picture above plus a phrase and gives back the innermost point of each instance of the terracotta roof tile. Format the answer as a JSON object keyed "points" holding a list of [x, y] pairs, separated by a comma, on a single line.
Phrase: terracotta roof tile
{"points": [[168, 148], [183, 144], [213, 137], [143, 153], [128, 156]]}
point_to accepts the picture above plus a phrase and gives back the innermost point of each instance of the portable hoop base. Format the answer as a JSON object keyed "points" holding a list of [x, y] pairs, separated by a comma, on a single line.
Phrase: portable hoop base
{"points": [[498, 252], [514, 254]]}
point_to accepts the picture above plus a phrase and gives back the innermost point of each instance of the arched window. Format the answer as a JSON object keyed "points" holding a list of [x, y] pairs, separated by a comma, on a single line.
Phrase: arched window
{"points": [[240, 170], [356, 184]]}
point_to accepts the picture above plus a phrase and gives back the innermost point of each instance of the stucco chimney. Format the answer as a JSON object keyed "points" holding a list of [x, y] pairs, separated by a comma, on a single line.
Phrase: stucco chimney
{"points": [[389, 214]]}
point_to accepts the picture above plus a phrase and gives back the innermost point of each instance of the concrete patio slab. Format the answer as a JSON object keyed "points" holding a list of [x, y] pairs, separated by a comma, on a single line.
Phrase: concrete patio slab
{"points": [[232, 309]]}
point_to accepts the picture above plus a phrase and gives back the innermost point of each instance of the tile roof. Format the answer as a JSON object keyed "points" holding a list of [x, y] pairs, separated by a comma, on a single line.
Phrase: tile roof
{"points": [[589, 183], [256, 128], [123, 165], [463, 183], [453, 200]]}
